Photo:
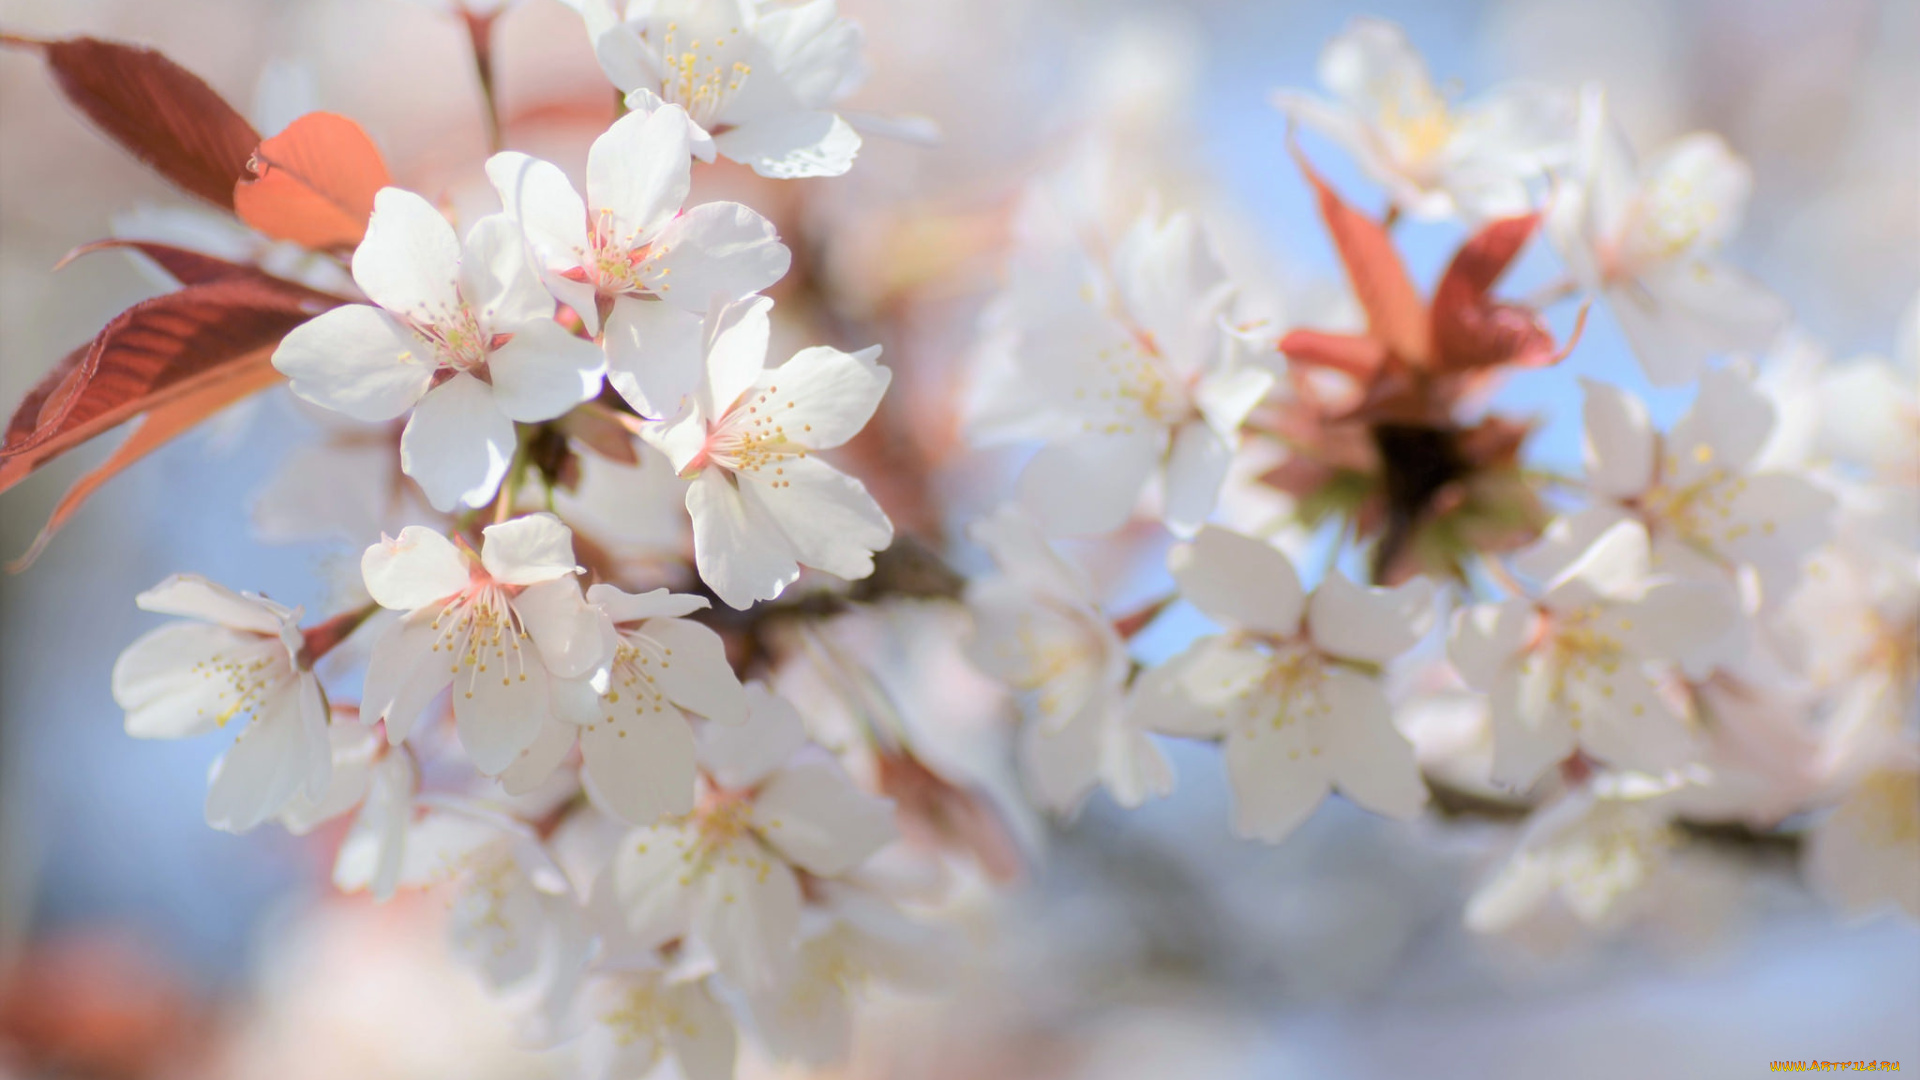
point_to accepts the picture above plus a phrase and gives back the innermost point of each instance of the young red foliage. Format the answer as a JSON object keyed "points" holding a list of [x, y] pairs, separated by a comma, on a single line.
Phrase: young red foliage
{"points": [[161, 112], [314, 183]]}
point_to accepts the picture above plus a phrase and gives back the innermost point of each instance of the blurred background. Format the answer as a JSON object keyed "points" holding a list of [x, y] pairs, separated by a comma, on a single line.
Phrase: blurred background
{"points": [[137, 942]]}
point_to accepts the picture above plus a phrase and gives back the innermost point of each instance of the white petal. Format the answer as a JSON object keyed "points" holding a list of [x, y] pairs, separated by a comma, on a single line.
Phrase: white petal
{"points": [[537, 762], [1487, 638], [194, 597], [736, 352], [1620, 442], [500, 711], [703, 1039], [409, 262], [404, 673], [501, 287], [551, 214], [543, 371], [814, 815], [1785, 518], [1364, 623], [826, 515], [528, 550], [653, 355], [1277, 781], [1196, 468], [740, 755], [637, 175], [457, 445], [417, 568], [1061, 767], [266, 767], [1198, 693], [650, 881], [1089, 484], [174, 682], [1725, 430], [822, 397], [1238, 581], [1621, 719], [741, 553], [1373, 764], [640, 767], [717, 251], [792, 145], [565, 628], [357, 360], [1675, 620], [626, 607], [695, 674], [749, 916], [1530, 735], [1614, 567], [617, 46]]}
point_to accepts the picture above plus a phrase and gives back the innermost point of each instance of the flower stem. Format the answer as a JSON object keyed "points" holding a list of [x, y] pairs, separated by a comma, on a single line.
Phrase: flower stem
{"points": [[480, 33]]}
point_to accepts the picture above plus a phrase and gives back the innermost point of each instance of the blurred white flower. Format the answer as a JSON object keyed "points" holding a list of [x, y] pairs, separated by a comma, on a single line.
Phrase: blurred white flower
{"points": [[1590, 851], [1648, 238], [1865, 854], [726, 874], [1294, 685], [633, 1021], [1437, 160]]}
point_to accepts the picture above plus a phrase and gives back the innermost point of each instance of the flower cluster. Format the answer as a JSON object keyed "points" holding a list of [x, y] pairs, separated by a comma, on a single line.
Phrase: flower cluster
{"points": [[682, 717]]}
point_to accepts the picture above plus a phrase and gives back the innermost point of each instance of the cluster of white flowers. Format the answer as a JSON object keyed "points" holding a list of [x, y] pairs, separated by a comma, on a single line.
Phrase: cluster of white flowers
{"points": [[615, 780]]}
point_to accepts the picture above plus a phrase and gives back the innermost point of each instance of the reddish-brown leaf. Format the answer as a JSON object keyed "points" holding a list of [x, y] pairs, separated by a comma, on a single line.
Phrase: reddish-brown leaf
{"points": [[240, 379], [154, 352], [1357, 355], [315, 183], [1471, 330], [155, 108], [183, 265], [1395, 313]]}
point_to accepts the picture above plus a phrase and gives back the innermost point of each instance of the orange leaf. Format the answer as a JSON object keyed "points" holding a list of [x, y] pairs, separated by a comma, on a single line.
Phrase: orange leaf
{"points": [[155, 108], [1395, 313], [315, 183], [151, 354], [241, 379]]}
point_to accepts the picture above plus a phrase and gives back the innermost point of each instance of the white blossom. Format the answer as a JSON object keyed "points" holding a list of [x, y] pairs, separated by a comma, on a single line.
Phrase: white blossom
{"points": [[1648, 238], [759, 81], [242, 656], [1436, 159], [463, 335], [727, 874], [1293, 686], [627, 251], [632, 1021], [496, 628], [763, 504]]}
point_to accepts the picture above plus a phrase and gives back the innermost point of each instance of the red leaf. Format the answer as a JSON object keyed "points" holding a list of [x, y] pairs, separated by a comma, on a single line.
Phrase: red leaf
{"points": [[1471, 330], [316, 183], [183, 265], [155, 108], [1395, 313], [151, 354], [228, 385], [1354, 354]]}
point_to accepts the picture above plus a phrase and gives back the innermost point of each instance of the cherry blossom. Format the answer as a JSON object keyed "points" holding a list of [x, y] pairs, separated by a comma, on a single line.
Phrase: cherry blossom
{"points": [[461, 334], [1590, 851], [633, 717], [628, 244], [1293, 686], [496, 628], [1648, 238], [748, 434], [1575, 670], [759, 81], [728, 873], [1124, 368], [242, 656], [632, 1021], [1039, 629], [1864, 855], [1437, 159], [1698, 490]]}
